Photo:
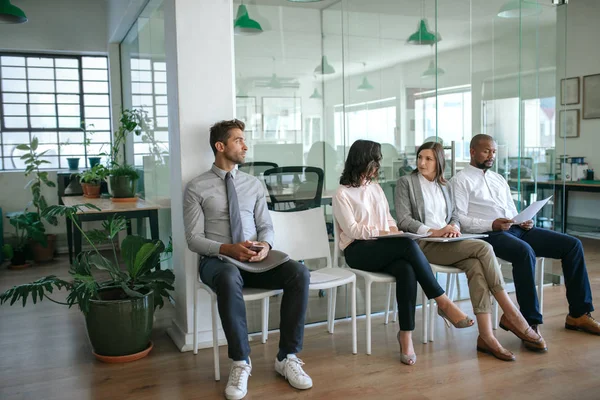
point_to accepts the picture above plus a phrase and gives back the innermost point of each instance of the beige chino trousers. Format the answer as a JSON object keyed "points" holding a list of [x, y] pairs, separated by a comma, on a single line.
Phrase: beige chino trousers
{"points": [[477, 259]]}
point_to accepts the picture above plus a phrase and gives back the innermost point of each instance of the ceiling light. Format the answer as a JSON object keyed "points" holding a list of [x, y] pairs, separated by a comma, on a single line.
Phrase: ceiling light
{"points": [[324, 68], [243, 25], [519, 8], [316, 95], [422, 36], [365, 85], [10, 14], [432, 71]]}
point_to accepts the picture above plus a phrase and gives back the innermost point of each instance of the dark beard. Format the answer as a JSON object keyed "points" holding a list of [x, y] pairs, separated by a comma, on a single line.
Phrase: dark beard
{"points": [[483, 166]]}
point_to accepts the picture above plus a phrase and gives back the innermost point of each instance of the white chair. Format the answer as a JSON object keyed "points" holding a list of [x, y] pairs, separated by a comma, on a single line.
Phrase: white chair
{"points": [[539, 278], [370, 278], [303, 236], [249, 294]]}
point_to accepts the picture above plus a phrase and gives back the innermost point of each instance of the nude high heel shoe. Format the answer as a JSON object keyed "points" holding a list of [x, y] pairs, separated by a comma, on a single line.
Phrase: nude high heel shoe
{"points": [[463, 323], [404, 358]]}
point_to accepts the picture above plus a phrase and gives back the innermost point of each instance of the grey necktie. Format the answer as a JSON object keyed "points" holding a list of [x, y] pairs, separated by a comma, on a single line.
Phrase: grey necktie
{"points": [[235, 220]]}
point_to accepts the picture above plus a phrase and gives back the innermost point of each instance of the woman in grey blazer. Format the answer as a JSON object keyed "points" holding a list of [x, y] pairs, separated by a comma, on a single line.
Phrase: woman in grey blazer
{"points": [[424, 204]]}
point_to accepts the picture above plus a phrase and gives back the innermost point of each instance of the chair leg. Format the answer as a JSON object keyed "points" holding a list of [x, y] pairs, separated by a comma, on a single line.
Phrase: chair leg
{"points": [[450, 285], [395, 301], [196, 320], [331, 316], [215, 334], [368, 314], [425, 315], [432, 312], [494, 314], [387, 305], [265, 319], [353, 315], [539, 269]]}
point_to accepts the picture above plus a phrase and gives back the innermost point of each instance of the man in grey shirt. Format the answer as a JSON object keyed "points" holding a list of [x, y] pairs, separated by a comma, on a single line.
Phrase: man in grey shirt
{"points": [[225, 213]]}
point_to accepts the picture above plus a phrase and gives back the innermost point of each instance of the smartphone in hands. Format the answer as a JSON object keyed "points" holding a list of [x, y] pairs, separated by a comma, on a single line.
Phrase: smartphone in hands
{"points": [[256, 247]]}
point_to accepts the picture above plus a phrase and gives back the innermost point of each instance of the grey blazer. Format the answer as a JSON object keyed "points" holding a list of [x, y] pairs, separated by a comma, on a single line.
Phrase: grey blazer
{"points": [[410, 206]]}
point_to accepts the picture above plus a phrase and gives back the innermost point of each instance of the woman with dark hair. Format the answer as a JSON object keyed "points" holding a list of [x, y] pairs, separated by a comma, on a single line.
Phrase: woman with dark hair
{"points": [[362, 213], [424, 205]]}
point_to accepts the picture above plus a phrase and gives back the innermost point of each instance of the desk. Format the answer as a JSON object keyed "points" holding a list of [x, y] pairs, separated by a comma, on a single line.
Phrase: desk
{"points": [[139, 209]]}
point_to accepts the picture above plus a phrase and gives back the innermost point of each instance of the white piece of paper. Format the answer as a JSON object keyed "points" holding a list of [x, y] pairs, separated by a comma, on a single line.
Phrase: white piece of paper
{"points": [[530, 212], [407, 235], [464, 236]]}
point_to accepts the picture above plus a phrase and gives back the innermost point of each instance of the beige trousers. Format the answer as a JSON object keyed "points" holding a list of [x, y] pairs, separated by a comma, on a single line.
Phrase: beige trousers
{"points": [[477, 259]]}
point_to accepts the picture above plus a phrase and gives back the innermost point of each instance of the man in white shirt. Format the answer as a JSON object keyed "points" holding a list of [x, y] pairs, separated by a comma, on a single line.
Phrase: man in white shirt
{"points": [[484, 205]]}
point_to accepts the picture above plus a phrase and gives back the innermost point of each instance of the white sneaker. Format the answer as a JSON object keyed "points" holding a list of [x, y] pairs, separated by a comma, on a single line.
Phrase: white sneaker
{"points": [[291, 369], [237, 385]]}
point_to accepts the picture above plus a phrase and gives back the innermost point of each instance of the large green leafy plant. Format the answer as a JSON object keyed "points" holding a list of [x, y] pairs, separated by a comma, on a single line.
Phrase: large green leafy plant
{"points": [[141, 257], [27, 225]]}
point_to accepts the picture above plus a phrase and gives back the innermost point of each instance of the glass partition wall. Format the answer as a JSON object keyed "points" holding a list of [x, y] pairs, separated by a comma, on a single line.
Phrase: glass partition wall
{"points": [[312, 78]]}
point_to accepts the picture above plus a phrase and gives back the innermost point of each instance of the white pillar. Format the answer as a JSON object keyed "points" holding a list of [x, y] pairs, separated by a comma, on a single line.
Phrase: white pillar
{"points": [[201, 91]]}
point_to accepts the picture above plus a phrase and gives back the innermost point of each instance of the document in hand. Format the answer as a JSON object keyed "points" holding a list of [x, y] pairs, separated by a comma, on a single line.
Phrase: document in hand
{"points": [[464, 236], [407, 235], [274, 259], [530, 211]]}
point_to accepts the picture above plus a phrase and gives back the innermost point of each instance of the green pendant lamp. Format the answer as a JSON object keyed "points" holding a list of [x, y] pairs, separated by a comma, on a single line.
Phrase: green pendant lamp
{"points": [[422, 36], [324, 68], [516, 8], [432, 71], [365, 85], [10, 14], [316, 95], [244, 25]]}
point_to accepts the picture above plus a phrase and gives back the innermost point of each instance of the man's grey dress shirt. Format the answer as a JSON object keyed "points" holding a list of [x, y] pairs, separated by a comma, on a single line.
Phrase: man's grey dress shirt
{"points": [[206, 211]]}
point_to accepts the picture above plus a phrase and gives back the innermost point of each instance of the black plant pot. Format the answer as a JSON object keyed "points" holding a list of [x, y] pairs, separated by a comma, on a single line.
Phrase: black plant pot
{"points": [[19, 257]]}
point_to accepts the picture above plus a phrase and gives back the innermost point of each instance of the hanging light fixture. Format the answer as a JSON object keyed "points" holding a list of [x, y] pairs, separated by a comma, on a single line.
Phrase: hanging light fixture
{"points": [[432, 71], [517, 8], [244, 25], [316, 95], [365, 85], [324, 68], [10, 14], [422, 36]]}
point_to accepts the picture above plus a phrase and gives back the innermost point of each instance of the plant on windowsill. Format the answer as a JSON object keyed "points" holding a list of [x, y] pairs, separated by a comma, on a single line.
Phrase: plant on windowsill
{"points": [[27, 226], [42, 251], [91, 180], [118, 310], [88, 132]]}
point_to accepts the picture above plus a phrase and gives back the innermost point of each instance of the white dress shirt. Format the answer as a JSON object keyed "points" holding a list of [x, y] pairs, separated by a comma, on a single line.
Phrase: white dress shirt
{"points": [[480, 197], [435, 205], [361, 212]]}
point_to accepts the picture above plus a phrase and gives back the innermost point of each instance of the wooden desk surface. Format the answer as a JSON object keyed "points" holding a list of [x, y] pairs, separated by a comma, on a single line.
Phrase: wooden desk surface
{"points": [[107, 205]]}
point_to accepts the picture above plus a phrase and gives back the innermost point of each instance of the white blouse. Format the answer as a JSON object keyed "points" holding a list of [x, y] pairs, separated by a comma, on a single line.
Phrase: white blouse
{"points": [[436, 210]]}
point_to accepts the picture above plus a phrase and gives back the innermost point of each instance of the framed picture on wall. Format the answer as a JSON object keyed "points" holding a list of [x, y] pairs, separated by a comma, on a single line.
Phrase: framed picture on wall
{"points": [[591, 96], [245, 111], [569, 91], [282, 118], [568, 123]]}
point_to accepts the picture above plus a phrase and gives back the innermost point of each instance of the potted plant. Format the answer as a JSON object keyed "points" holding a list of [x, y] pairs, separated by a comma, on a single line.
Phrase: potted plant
{"points": [[27, 226], [88, 132], [118, 310], [91, 180], [42, 251]]}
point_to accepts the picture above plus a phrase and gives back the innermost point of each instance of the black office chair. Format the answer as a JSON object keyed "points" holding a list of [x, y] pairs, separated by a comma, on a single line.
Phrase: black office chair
{"points": [[256, 168], [294, 188]]}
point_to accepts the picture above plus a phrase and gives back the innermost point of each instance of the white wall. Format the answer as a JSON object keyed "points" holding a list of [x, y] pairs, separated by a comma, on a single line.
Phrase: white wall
{"points": [[58, 25]]}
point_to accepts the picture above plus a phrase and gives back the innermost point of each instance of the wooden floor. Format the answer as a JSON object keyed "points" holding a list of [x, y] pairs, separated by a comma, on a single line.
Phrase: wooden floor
{"points": [[45, 354]]}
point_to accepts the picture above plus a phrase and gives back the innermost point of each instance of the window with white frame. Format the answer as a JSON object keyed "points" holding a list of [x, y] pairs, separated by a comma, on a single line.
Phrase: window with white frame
{"points": [[149, 93], [62, 100]]}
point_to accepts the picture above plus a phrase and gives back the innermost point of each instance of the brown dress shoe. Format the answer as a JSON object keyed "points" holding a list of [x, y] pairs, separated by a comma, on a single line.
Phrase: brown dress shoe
{"points": [[528, 336], [585, 323], [500, 354]]}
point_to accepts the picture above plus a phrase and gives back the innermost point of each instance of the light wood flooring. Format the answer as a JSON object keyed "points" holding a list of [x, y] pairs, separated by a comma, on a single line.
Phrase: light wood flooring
{"points": [[45, 354]]}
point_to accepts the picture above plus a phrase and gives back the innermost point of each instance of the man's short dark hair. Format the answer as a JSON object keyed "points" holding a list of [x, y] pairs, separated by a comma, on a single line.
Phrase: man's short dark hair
{"points": [[478, 138], [219, 132]]}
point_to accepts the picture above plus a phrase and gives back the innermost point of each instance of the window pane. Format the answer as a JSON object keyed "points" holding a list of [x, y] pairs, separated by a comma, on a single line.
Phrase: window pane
{"points": [[97, 148], [95, 87], [18, 61], [72, 137], [69, 122], [42, 109], [160, 66], [95, 100], [160, 77], [40, 73], [143, 88], [13, 73], [66, 63], [72, 149], [97, 112], [40, 62], [14, 98], [99, 124], [161, 99], [144, 76], [68, 110], [14, 86], [43, 122], [42, 98], [67, 74], [41, 86], [67, 99], [162, 122], [47, 138], [15, 122], [53, 163], [95, 75], [162, 111], [15, 138], [15, 109], [67, 87], [99, 137], [160, 88], [94, 62]]}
